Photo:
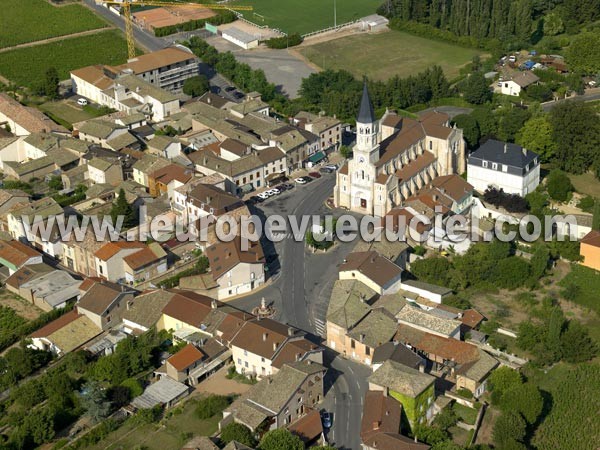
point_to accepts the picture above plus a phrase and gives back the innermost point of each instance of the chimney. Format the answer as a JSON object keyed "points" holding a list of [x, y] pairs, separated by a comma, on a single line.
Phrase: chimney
{"points": [[213, 304], [505, 147], [208, 100], [524, 151], [274, 346], [376, 425], [265, 335], [362, 337], [270, 380], [291, 331]]}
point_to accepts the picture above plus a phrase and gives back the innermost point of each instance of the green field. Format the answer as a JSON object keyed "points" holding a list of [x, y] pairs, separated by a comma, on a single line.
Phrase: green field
{"points": [[382, 55], [23, 21], [304, 16], [26, 66], [588, 282]]}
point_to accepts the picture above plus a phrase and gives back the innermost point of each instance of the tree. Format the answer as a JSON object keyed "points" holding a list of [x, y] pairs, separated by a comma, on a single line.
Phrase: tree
{"points": [[196, 86], [511, 120], [577, 346], [525, 399], [476, 89], [583, 54], [55, 183], [536, 135], [280, 439], [559, 186], [211, 405], [93, 399], [503, 379], [40, 426], [510, 273], [553, 24], [51, 82], [346, 151], [237, 432], [510, 426], [446, 418], [470, 128], [29, 394], [576, 131], [122, 208], [539, 92]]}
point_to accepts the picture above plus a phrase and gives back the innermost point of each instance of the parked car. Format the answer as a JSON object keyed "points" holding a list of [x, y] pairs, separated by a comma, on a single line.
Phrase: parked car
{"points": [[326, 170], [263, 195], [301, 180], [229, 89], [82, 101], [238, 95], [327, 419], [315, 174], [331, 166], [274, 191], [288, 186]]}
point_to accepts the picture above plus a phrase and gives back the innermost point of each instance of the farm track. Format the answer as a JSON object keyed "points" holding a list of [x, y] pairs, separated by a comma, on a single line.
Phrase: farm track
{"points": [[55, 39]]}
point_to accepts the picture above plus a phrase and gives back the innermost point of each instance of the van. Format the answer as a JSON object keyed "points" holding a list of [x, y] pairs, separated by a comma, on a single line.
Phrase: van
{"points": [[82, 101]]}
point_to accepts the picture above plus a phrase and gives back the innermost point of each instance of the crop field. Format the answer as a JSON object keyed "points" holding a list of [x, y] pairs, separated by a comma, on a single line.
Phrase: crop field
{"points": [[23, 21], [106, 47], [380, 56], [305, 16]]}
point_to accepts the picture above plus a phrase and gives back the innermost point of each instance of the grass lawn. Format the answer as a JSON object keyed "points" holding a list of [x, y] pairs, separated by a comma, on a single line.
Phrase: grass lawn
{"points": [[396, 53], [588, 281], [586, 184], [107, 47], [67, 112], [25, 21], [305, 16], [466, 414], [171, 433]]}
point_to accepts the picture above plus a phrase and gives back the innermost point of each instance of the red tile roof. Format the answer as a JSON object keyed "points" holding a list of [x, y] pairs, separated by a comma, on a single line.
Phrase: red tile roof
{"points": [[592, 238], [55, 325], [110, 249], [309, 427], [16, 253], [381, 414], [472, 318], [185, 357], [188, 307]]}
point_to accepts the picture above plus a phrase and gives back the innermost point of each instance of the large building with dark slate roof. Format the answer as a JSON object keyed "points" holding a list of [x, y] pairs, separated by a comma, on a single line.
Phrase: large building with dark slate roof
{"points": [[505, 166]]}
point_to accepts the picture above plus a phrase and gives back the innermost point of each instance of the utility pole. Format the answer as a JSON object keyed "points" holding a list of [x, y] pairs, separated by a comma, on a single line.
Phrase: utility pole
{"points": [[334, 14]]}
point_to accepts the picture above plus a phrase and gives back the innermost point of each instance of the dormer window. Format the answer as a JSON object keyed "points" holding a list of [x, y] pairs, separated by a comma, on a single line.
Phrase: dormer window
{"points": [[485, 164], [494, 166]]}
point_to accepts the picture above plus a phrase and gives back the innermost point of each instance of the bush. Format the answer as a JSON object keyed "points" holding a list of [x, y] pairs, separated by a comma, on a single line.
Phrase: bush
{"points": [[211, 405], [510, 202], [559, 186], [237, 432], [290, 40]]}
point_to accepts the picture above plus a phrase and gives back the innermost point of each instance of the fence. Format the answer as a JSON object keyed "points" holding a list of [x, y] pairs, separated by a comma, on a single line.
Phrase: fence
{"points": [[325, 30], [249, 22]]}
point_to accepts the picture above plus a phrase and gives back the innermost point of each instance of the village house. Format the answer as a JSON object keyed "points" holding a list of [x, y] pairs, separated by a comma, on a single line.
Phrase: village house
{"points": [[590, 250], [105, 171], [99, 131], [521, 80], [381, 424], [145, 310], [168, 178], [104, 303], [130, 261], [45, 287], [65, 334], [505, 166], [236, 271], [79, 255], [145, 166], [107, 86], [179, 365], [36, 223], [263, 346], [9, 198], [372, 269], [428, 322], [280, 399], [23, 120], [414, 390], [164, 146], [328, 129], [15, 254]]}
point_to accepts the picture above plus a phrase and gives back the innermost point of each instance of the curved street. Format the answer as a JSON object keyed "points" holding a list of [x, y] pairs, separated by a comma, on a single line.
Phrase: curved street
{"points": [[299, 290]]}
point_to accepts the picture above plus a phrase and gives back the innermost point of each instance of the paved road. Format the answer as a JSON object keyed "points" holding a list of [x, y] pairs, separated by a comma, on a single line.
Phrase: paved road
{"points": [[300, 290], [588, 96]]}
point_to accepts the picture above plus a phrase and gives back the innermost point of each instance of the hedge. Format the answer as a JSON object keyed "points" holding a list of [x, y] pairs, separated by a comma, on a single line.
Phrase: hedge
{"points": [[221, 18], [284, 42]]}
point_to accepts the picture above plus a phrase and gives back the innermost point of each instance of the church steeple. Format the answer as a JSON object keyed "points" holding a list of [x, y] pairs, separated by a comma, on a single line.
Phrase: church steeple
{"points": [[365, 113]]}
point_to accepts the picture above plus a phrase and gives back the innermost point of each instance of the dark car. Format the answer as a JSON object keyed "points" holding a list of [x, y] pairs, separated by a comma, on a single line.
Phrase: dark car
{"points": [[229, 89], [288, 186], [327, 419], [315, 174], [238, 95], [326, 170]]}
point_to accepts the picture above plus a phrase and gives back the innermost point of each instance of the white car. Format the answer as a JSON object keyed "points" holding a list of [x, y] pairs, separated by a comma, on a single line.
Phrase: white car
{"points": [[82, 102], [263, 195], [331, 166], [274, 191], [300, 180]]}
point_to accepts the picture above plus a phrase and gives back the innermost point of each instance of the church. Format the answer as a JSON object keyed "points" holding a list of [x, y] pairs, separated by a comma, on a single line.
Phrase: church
{"points": [[395, 157]]}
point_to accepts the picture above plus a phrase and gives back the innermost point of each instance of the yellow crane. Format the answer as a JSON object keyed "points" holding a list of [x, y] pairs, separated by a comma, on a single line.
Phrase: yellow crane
{"points": [[127, 4]]}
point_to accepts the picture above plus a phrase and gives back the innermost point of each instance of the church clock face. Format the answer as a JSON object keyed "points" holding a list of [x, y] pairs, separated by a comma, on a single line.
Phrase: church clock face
{"points": [[361, 160]]}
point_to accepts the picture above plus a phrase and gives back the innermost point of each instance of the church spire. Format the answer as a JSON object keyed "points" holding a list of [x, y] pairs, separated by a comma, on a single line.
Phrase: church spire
{"points": [[365, 113]]}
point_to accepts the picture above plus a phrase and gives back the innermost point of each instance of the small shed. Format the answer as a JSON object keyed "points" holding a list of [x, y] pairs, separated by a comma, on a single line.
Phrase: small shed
{"points": [[165, 392], [373, 23], [240, 38]]}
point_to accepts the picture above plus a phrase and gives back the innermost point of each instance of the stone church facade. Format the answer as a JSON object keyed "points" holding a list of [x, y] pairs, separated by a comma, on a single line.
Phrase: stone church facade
{"points": [[395, 157]]}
